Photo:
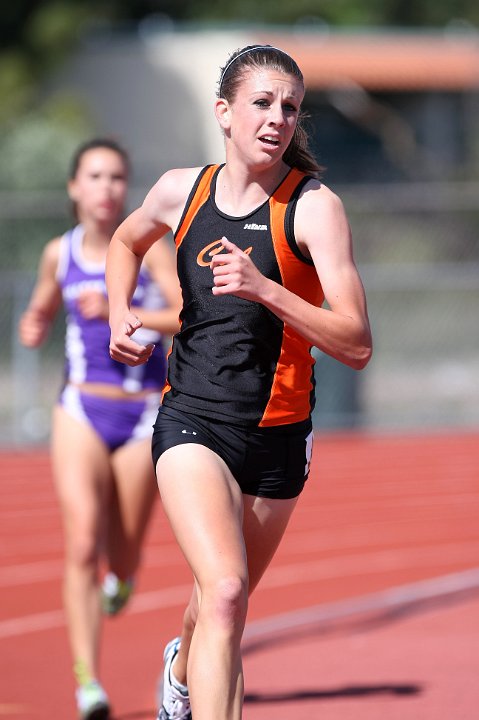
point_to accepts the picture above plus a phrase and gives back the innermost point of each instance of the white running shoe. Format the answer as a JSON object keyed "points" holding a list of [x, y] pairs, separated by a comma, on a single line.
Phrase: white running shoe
{"points": [[115, 593], [174, 704], [92, 702]]}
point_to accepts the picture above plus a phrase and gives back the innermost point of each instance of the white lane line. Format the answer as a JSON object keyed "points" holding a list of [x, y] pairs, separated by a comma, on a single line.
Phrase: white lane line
{"points": [[257, 630], [353, 564], [30, 573], [31, 623], [143, 602]]}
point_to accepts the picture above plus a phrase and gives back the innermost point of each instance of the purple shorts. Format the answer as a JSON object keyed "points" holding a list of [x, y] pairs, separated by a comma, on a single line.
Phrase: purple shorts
{"points": [[115, 421]]}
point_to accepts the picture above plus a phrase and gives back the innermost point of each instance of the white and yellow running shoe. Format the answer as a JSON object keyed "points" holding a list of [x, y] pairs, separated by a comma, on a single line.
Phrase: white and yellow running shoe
{"points": [[115, 593], [92, 702]]}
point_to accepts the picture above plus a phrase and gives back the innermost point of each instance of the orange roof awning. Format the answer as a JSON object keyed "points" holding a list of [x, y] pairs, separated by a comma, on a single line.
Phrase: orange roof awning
{"points": [[400, 62]]}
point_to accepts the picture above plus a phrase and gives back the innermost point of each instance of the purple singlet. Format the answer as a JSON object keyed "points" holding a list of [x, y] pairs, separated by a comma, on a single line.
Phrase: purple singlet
{"points": [[87, 341]]}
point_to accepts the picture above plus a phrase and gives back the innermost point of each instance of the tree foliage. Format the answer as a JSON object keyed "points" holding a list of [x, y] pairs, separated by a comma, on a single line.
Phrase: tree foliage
{"points": [[36, 36]]}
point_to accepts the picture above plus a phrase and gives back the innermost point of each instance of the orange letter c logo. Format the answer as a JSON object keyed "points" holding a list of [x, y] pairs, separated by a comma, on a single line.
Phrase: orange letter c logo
{"points": [[213, 249], [209, 250]]}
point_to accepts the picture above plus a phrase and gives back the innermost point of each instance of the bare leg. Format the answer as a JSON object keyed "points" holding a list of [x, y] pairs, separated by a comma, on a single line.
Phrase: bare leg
{"points": [[264, 524], [205, 508], [82, 474], [132, 502], [180, 665]]}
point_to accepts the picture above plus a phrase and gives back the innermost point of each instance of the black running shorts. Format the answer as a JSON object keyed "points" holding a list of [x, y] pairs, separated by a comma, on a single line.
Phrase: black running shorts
{"points": [[270, 462]]}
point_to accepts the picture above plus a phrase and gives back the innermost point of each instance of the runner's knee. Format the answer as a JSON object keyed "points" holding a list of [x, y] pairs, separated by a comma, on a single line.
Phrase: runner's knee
{"points": [[227, 602]]}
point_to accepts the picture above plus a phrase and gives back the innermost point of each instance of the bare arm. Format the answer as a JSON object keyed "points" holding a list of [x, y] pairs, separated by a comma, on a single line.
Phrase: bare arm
{"points": [[45, 300], [159, 213], [161, 264], [323, 232], [160, 260]]}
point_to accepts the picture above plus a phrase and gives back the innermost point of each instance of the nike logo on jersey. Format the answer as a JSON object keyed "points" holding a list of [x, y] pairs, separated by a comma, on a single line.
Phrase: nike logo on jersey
{"points": [[255, 226], [188, 432]]}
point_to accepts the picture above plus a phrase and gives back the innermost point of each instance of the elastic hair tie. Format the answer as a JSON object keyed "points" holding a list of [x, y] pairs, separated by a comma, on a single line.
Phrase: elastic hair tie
{"points": [[244, 52]]}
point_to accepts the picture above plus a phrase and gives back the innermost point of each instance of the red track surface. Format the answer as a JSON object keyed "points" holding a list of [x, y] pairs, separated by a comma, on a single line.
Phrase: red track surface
{"points": [[369, 610]]}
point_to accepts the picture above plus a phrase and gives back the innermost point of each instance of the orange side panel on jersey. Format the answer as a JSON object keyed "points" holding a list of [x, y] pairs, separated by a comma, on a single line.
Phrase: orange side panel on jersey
{"points": [[166, 386], [200, 196], [290, 394]]}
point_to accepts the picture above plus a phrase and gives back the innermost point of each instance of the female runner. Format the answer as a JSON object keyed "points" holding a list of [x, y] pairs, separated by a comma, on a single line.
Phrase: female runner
{"points": [[261, 244], [102, 422]]}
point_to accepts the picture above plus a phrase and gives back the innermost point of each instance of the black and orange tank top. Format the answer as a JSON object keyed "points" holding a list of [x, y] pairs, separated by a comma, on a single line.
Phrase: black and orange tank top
{"points": [[233, 359]]}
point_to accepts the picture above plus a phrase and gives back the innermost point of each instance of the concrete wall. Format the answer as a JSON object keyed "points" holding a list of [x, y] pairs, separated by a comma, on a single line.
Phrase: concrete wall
{"points": [[155, 91]]}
